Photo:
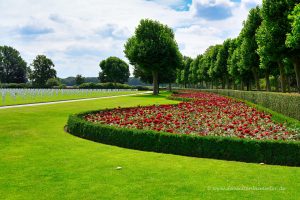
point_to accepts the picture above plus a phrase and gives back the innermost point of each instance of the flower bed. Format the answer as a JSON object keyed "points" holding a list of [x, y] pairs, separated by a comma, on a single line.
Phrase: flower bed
{"points": [[193, 129], [207, 115]]}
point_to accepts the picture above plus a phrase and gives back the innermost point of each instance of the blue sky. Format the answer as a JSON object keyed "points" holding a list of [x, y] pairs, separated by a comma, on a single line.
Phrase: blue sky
{"points": [[77, 35]]}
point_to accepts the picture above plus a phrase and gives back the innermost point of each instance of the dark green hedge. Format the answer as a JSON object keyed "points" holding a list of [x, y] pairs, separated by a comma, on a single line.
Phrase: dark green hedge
{"points": [[104, 86], [110, 85], [269, 152], [287, 104], [15, 85]]}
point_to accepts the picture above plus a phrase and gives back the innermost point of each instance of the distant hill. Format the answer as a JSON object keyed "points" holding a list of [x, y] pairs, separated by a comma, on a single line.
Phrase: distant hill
{"points": [[70, 81]]}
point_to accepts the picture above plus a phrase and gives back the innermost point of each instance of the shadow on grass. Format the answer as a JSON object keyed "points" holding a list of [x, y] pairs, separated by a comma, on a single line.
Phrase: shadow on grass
{"points": [[162, 95]]}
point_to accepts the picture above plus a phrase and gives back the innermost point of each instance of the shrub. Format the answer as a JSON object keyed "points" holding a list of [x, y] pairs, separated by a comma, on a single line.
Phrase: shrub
{"points": [[110, 85], [266, 151], [87, 86], [287, 104], [15, 85], [52, 82], [142, 88]]}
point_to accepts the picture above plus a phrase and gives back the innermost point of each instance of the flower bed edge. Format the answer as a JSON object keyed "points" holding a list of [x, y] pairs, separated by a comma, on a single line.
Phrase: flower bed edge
{"points": [[224, 148]]}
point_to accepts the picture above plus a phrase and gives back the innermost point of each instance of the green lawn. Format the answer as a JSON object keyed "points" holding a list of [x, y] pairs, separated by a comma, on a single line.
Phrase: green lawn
{"points": [[40, 161], [9, 100]]}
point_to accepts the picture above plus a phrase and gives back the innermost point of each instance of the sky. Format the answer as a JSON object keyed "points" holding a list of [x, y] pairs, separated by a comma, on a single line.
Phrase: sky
{"points": [[77, 34]]}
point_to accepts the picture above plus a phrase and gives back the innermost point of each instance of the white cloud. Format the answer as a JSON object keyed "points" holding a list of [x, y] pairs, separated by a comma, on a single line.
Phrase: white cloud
{"points": [[77, 34]]}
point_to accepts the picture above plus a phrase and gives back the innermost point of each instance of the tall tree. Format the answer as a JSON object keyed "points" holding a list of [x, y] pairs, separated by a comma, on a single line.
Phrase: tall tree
{"points": [[184, 71], [271, 35], [194, 77], [12, 67], [79, 79], [114, 70], [220, 67], [212, 60], [43, 69], [235, 66], [250, 58], [153, 48], [293, 41]]}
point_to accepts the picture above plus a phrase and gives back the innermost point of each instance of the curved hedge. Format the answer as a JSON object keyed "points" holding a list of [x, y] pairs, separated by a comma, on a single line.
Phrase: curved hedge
{"points": [[285, 103], [269, 152]]}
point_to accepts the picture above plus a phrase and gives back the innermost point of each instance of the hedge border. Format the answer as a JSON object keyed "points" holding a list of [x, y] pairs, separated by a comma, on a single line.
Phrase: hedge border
{"points": [[285, 103], [224, 148]]}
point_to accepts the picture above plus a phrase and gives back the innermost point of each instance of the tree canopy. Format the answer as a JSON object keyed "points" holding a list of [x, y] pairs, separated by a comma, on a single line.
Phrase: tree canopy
{"points": [[43, 69], [153, 49], [293, 41], [12, 67], [114, 70], [79, 79]]}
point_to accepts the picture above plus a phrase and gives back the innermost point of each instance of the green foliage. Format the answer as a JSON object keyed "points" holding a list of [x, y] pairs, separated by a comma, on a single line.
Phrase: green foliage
{"points": [[271, 37], [270, 152], [13, 68], [212, 60], [220, 67], [15, 85], [79, 79], [249, 57], [287, 104], [71, 81], [114, 70], [43, 69], [293, 38], [108, 85], [184, 71], [154, 49], [51, 82], [234, 59]]}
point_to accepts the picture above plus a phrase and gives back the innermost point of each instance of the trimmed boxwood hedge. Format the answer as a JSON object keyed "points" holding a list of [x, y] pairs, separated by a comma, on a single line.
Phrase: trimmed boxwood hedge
{"points": [[287, 104], [225, 148]]}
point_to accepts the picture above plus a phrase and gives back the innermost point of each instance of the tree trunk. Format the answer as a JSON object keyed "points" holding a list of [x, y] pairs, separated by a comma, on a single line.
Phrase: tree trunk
{"points": [[248, 84], [267, 77], [256, 78], [155, 82], [288, 80], [282, 76], [276, 84], [242, 85], [296, 63], [170, 87], [227, 82], [223, 83]]}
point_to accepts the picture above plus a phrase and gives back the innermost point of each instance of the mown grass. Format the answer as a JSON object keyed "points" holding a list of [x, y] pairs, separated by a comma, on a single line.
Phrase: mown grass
{"points": [[40, 161], [9, 100]]}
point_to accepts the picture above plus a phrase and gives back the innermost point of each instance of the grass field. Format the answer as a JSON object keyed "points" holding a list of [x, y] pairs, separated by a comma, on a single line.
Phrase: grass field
{"points": [[9, 100], [40, 161]]}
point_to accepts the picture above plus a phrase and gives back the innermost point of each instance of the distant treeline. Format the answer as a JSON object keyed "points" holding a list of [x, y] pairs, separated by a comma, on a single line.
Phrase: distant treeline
{"points": [[71, 81]]}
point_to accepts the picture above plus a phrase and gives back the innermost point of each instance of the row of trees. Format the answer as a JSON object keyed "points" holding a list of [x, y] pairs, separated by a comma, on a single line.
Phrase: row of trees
{"points": [[268, 44], [41, 72], [13, 69]]}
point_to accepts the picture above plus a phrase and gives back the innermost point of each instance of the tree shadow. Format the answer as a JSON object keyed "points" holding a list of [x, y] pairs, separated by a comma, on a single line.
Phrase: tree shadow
{"points": [[163, 95]]}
